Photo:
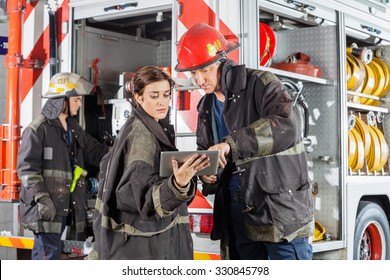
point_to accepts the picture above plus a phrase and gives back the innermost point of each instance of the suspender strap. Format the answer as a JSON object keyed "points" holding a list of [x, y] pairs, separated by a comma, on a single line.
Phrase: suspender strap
{"points": [[214, 126]]}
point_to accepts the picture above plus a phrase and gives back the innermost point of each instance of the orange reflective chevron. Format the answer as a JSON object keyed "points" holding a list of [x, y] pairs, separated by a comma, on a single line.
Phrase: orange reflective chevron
{"points": [[16, 242], [200, 202], [205, 256]]}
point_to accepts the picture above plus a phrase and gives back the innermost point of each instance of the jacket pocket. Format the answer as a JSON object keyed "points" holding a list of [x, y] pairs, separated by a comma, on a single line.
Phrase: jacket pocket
{"points": [[28, 209], [276, 215], [291, 207], [278, 174]]}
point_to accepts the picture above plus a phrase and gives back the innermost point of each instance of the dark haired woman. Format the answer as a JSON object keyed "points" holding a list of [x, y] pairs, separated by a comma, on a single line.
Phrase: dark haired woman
{"points": [[140, 214]]}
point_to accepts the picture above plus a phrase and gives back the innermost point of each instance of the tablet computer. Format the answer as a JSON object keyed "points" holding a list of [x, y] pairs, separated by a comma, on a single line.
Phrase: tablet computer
{"points": [[166, 161]]}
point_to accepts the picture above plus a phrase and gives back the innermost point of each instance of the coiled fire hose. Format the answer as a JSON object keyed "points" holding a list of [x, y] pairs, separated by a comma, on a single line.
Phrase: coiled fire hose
{"points": [[367, 73], [366, 142]]}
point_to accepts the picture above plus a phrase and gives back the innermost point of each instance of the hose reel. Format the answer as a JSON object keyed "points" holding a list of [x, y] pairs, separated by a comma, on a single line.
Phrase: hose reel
{"points": [[367, 145]]}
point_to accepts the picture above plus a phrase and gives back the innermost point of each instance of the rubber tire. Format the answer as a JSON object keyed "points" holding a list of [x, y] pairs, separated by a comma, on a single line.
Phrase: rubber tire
{"points": [[367, 214]]}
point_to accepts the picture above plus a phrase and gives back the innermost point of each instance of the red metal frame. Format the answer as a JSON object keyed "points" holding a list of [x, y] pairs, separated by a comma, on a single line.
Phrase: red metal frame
{"points": [[10, 132]]}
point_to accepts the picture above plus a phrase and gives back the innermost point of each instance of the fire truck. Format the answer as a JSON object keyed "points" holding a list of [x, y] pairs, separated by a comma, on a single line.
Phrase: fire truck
{"points": [[332, 56]]}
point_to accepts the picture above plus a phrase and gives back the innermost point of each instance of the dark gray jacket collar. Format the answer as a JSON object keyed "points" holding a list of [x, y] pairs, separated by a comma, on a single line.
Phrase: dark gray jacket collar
{"points": [[233, 77], [163, 131]]}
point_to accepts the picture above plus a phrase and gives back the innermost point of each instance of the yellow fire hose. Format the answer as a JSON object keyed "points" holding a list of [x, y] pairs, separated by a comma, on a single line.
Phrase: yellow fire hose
{"points": [[384, 148], [351, 148], [357, 74], [374, 156], [367, 74], [366, 143], [379, 79], [369, 82], [362, 128], [358, 161], [386, 72]]}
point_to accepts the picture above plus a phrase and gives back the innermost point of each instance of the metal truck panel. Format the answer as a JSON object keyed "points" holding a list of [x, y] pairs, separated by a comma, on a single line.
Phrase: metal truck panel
{"points": [[321, 44], [105, 10]]}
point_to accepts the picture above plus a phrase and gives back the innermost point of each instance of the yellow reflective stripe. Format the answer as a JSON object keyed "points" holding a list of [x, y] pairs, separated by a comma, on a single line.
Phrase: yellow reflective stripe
{"points": [[31, 179], [80, 226], [263, 131], [35, 178], [62, 87], [57, 174], [46, 226], [157, 203], [296, 150], [98, 204]]}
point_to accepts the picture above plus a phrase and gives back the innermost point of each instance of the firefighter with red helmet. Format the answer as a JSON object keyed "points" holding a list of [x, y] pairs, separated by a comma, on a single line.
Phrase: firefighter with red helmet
{"points": [[53, 146], [263, 207]]}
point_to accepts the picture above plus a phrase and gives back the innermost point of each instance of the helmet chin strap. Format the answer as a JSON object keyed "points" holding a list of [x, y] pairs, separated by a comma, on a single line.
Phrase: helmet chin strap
{"points": [[69, 113], [67, 107]]}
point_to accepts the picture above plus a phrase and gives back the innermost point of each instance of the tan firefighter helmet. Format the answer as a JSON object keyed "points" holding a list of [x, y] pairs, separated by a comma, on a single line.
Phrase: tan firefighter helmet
{"points": [[66, 85]]}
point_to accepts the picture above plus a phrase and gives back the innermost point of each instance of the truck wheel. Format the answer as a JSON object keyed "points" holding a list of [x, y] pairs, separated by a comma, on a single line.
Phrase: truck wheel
{"points": [[372, 234]]}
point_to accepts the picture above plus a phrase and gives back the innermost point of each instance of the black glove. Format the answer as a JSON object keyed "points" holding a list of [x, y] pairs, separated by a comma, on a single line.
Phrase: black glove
{"points": [[212, 188], [209, 189], [46, 208], [108, 139]]}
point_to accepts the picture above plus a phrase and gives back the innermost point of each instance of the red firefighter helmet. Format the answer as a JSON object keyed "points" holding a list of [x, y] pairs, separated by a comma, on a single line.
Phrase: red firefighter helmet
{"points": [[200, 46]]}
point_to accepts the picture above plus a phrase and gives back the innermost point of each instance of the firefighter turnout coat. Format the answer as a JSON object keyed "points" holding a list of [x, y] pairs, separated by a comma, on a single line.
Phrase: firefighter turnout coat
{"points": [[267, 149], [44, 167], [140, 215]]}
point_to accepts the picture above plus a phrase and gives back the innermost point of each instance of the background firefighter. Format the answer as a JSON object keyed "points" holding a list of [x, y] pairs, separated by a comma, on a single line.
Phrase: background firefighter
{"points": [[52, 146], [263, 206]]}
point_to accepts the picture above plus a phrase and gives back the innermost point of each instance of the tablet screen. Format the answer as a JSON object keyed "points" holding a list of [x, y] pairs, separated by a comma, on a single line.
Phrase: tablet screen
{"points": [[166, 161]]}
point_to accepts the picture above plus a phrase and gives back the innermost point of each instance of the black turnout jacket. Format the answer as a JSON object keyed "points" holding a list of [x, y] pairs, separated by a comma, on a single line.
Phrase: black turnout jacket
{"points": [[267, 149], [140, 215]]}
